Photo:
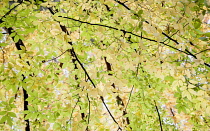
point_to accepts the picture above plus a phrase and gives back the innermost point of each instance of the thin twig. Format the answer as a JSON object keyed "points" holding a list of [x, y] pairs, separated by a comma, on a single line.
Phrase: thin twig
{"points": [[125, 112], [1, 21], [172, 111], [170, 38], [129, 32], [101, 97], [55, 57], [129, 98], [88, 119], [73, 52], [74, 108], [3, 56], [161, 128], [202, 51]]}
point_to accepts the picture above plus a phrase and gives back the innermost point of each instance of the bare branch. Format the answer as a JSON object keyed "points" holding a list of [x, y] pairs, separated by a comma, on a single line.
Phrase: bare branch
{"points": [[88, 119], [55, 57], [101, 97], [161, 128], [129, 98], [74, 108], [202, 51]]}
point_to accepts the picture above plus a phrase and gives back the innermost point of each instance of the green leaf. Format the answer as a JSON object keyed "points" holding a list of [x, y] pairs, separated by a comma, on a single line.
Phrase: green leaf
{"points": [[56, 126], [140, 12], [169, 78], [197, 23], [4, 103], [11, 100], [25, 112], [3, 44], [134, 17], [28, 116], [30, 108], [12, 114], [29, 99], [34, 115], [9, 121], [203, 38], [12, 105], [207, 34], [8, 108], [20, 51], [13, 34], [16, 39], [3, 112], [3, 119]]}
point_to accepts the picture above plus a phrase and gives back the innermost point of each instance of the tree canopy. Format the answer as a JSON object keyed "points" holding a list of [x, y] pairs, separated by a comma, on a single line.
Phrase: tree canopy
{"points": [[104, 65]]}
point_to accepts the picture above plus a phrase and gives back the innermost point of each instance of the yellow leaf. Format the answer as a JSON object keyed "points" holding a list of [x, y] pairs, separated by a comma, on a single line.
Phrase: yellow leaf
{"points": [[55, 31], [192, 91], [93, 92], [187, 94], [200, 93], [208, 110], [198, 61], [191, 86], [101, 29], [204, 104], [75, 35]]}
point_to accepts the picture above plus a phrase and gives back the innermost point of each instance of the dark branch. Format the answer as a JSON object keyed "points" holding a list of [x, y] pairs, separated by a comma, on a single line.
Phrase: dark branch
{"points": [[123, 5], [73, 52], [88, 119], [101, 97], [4, 16], [18, 46], [55, 57], [170, 38], [207, 64], [25, 94], [129, 98], [161, 128], [125, 111], [202, 51], [172, 112], [73, 109], [110, 27]]}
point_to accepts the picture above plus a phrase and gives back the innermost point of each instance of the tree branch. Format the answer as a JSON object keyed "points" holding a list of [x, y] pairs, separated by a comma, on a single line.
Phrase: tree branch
{"points": [[74, 55], [202, 51], [170, 38], [88, 119], [55, 57], [129, 98], [161, 128], [129, 32], [73, 109], [101, 97], [4, 16], [25, 93]]}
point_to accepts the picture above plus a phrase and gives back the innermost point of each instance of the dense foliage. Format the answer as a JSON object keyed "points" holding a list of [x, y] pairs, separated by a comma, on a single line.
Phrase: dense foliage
{"points": [[104, 65]]}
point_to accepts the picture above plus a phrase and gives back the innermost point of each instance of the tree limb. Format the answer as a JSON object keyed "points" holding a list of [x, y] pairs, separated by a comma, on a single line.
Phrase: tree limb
{"points": [[129, 32], [161, 128]]}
